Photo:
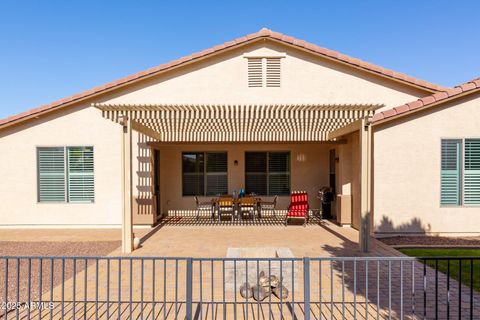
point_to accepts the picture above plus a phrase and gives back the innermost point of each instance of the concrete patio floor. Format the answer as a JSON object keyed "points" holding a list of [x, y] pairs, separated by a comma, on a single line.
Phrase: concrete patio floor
{"points": [[317, 239]]}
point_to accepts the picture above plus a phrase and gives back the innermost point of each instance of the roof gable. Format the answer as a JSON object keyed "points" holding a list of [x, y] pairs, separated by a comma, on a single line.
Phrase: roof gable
{"points": [[430, 101], [262, 34]]}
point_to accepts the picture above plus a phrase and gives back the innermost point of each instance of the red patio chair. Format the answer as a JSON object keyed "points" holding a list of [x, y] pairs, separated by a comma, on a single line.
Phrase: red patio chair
{"points": [[298, 208]]}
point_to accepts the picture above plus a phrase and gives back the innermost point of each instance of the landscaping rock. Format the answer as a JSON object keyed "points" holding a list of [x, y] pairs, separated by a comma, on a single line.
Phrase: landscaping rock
{"points": [[280, 292], [260, 293], [246, 291]]}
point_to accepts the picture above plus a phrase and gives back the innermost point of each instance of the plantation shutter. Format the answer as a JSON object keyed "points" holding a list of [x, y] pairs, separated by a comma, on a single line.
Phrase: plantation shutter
{"points": [[51, 174], [451, 175], [80, 174], [217, 180], [472, 172], [256, 172], [278, 173]]}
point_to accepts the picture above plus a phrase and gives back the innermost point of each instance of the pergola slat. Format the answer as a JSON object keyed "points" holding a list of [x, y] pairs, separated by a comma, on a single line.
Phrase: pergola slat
{"points": [[242, 123]]}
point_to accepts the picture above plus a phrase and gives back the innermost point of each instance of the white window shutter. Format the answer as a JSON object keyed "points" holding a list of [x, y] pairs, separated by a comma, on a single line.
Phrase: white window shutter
{"points": [[80, 174], [451, 175], [51, 174], [472, 172]]}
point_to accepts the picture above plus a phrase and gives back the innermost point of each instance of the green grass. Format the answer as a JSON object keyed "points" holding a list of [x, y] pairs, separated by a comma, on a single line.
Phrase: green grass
{"points": [[454, 264]]}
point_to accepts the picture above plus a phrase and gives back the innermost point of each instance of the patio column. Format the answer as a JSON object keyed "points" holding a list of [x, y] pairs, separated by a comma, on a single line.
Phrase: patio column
{"points": [[365, 184], [127, 208]]}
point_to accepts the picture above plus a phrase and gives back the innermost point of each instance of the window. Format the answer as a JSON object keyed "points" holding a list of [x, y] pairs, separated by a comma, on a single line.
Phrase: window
{"points": [[65, 174], [264, 72], [204, 173], [267, 173], [460, 174]]}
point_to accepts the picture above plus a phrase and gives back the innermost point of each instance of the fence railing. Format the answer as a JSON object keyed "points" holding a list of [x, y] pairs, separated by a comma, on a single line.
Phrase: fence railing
{"points": [[215, 288]]}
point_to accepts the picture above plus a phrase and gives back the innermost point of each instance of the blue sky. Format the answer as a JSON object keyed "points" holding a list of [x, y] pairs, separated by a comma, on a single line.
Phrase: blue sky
{"points": [[52, 49]]}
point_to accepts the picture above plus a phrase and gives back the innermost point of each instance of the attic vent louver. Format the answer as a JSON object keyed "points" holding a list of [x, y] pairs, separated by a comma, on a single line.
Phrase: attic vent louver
{"points": [[273, 72], [264, 71], [255, 72]]}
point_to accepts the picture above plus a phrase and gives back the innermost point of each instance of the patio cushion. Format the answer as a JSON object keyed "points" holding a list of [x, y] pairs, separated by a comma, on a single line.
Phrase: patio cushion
{"points": [[298, 205]]}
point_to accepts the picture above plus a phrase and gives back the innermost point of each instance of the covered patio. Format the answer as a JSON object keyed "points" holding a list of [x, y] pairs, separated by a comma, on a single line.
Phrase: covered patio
{"points": [[157, 138]]}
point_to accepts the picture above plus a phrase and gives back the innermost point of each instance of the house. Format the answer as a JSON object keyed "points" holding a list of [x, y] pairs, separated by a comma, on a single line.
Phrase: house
{"points": [[267, 113]]}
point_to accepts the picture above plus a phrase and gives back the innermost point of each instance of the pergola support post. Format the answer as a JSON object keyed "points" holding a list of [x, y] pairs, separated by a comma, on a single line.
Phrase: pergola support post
{"points": [[127, 208], [365, 184]]}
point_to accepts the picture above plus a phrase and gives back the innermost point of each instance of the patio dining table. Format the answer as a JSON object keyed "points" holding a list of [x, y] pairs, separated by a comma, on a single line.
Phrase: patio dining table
{"points": [[236, 205]]}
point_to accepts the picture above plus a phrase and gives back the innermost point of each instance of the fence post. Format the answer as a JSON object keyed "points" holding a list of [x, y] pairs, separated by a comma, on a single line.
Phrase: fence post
{"points": [[306, 287], [189, 283]]}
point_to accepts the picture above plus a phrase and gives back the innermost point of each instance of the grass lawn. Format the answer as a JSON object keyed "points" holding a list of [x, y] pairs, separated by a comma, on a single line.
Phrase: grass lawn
{"points": [[454, 264]]}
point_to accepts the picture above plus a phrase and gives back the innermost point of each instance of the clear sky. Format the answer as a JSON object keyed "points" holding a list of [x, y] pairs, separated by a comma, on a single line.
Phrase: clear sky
{"points": [[52, 49]]}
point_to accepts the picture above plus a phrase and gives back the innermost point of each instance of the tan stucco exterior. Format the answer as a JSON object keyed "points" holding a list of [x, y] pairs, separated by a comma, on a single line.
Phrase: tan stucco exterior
{"points": [[305, 78], [309, 170], [222, 79], [407, 170], [18, 169]]}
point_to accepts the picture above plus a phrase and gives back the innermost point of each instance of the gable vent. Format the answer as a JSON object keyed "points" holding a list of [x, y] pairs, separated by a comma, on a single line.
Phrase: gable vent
{"points": [[273, 72], [255, 72]]}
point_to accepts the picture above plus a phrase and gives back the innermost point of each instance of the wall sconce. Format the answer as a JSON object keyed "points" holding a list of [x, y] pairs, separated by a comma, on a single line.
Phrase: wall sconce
{"points": [[235, 163], [301, 157], [337, 159]]}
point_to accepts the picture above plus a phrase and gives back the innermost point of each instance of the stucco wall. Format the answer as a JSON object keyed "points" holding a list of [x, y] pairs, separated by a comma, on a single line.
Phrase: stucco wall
{"points": [[222, 80], [18, 170], [348, 174], [407, 171], [305, 78], [309, 171]]}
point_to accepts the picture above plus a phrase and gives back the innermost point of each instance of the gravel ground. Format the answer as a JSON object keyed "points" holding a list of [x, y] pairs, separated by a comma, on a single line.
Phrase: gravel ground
{"points": [[431, 240], [49, 249]]}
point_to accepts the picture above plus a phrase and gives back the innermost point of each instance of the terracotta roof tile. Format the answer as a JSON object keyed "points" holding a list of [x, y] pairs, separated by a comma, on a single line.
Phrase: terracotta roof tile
{"points": [[263, 33], [389, 113], [402, 108], [428, 99], [415, 104], [468, 86], [439, 96], [454, 91], [378, 116], [431, 100]]}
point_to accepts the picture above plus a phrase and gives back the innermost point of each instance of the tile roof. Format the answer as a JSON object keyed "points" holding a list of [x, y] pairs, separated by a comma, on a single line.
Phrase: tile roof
{"points": [[428, 101], [263, 33]]}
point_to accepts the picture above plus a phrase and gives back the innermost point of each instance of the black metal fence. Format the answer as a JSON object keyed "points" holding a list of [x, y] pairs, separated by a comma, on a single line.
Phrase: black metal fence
{"points": [[211, 288]]}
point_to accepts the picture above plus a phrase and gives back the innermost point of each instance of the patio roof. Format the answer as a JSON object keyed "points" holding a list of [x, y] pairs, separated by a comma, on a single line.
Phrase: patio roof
{"points": [[238, 123]]}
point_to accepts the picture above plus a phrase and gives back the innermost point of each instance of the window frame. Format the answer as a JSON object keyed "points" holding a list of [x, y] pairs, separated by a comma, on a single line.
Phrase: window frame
{"points": [[65, 176], [205, 173], [462, 174], [267, 172]]}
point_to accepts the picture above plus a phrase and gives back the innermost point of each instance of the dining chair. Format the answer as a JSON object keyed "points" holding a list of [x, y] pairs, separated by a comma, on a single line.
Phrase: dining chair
{"points": [[269, 206], [203, 207]]}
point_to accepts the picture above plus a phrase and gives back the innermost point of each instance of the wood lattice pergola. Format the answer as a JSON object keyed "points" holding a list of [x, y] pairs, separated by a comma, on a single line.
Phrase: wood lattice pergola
{"points": [[241, 123]]}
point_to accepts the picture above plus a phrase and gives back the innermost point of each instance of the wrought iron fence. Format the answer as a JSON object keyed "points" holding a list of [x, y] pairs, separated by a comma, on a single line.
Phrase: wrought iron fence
{"points": [[216, 288]]}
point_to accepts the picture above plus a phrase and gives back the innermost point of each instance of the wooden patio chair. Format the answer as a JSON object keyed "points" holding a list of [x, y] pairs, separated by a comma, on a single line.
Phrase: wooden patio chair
{"points": [[269, 206], [225, 206], [247, 205], [298, 208], [203, 207]]}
